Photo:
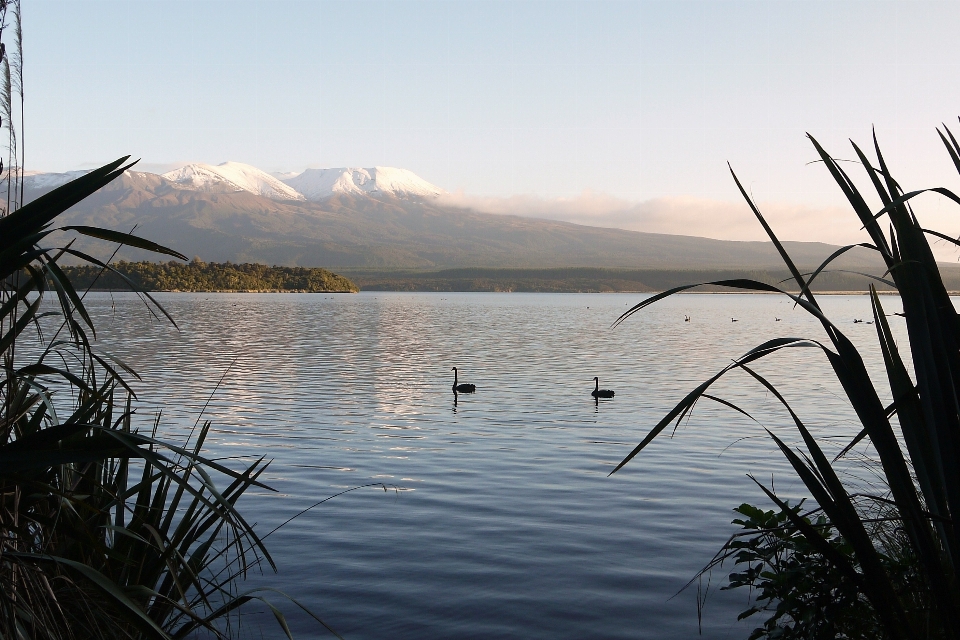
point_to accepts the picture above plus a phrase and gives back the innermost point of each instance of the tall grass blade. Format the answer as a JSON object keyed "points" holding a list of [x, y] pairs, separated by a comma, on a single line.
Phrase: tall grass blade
{"points": [[922, 473]]}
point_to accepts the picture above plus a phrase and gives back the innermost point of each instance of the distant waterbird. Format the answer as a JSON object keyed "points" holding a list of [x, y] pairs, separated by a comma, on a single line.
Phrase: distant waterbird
{"points": [[600, 393], [734, 320], [462, 388], [686, 318]]}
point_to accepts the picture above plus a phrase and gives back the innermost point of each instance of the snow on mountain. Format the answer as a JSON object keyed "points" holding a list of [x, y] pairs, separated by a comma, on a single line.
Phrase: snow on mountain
{"points": [[46, 181], [317, 184], [312, 184], [231, 176]]}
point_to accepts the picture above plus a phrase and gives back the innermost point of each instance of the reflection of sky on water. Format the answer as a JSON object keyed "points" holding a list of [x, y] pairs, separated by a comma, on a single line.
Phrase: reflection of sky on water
{"points": [[507, 525]]}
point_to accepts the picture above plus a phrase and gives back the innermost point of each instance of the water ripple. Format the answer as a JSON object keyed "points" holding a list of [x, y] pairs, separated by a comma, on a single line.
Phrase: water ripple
{"points": [[514, 529]]}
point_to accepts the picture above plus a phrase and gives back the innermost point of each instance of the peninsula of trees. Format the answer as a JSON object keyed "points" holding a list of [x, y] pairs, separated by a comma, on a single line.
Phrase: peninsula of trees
{"points": [[210, 276]]}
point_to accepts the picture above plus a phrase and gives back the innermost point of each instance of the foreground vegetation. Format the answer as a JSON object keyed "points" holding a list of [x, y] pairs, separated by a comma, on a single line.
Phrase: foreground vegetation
{"points": [[208, 276], [106, 531], [885, 563]]}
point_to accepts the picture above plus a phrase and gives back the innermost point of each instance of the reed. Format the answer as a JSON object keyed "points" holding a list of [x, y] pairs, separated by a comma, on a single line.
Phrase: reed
{"points": [[916, 532], [104, 531]]}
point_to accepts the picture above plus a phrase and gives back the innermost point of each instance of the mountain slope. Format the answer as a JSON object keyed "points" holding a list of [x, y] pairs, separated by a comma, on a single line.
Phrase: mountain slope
{"points": [[363, 231], [45, 181]]}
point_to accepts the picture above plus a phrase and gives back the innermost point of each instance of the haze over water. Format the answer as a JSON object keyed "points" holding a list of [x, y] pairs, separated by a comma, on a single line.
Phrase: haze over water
{"points": [[500, 520]]}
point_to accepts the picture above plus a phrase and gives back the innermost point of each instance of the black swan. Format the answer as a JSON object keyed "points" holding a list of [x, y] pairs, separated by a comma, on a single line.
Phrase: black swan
{"points": [[600, 393], [462, 388]]}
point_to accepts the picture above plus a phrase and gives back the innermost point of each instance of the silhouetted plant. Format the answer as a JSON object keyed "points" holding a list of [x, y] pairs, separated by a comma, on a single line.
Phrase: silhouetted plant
{"points": [[92, 545], [921, 472], [105, 532], [805, 594]]}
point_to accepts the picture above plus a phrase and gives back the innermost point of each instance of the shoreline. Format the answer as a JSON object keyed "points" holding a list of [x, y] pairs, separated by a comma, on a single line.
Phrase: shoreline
{"points": [[603, 280], [721, 293], [111, 290], [240, 291]]}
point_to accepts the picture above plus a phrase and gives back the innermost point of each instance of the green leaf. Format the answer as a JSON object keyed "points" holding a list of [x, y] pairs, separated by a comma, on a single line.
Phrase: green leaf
{"points": [[62, 282]]}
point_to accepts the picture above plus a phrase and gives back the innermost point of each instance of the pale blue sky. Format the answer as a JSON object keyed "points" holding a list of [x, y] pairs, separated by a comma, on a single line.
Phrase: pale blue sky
{"points": [[636, 99]]}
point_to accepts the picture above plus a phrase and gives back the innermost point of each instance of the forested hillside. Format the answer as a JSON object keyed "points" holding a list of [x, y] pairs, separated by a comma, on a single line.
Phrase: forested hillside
{"points": [[209, 276]]}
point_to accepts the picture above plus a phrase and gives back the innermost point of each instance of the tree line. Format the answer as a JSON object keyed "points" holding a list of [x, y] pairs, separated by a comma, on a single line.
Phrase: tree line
{"points": [[208, 276]]}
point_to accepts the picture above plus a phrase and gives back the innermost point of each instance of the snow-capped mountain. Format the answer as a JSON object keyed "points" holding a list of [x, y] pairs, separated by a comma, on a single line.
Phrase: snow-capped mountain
{"points": [[317, 184], [377, 218], [45, 181], [231, 176], [312, 184]]}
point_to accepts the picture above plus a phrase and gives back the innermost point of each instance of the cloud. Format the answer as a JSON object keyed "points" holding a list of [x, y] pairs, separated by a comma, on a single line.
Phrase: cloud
{"points": [[691, 216], [677, 215]]}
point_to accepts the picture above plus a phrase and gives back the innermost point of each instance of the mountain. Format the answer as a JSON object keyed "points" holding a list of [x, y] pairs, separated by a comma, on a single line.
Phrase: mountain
{"points": [[378, 219], [319, 184], [231, 176], [39, 181]]}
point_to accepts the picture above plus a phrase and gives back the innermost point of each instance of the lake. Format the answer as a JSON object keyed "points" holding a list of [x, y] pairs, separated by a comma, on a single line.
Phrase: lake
{"points": [[500, 519]]}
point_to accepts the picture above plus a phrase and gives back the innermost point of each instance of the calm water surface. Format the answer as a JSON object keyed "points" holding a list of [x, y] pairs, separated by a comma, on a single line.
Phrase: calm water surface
{"points": [[500, 521]]}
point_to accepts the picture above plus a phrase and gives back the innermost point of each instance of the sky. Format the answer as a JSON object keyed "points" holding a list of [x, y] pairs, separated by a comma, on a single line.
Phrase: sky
{"points": [[619, 113]]}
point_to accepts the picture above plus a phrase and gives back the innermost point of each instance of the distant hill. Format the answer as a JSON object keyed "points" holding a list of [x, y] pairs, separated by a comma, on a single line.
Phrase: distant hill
{"points": [[590, 280], [223, 212]]}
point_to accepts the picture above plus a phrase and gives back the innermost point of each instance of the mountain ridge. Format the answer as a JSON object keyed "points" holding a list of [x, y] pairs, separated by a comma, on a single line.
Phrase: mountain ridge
{"points": [[377, 230], [231, 176], [319, 184]]}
